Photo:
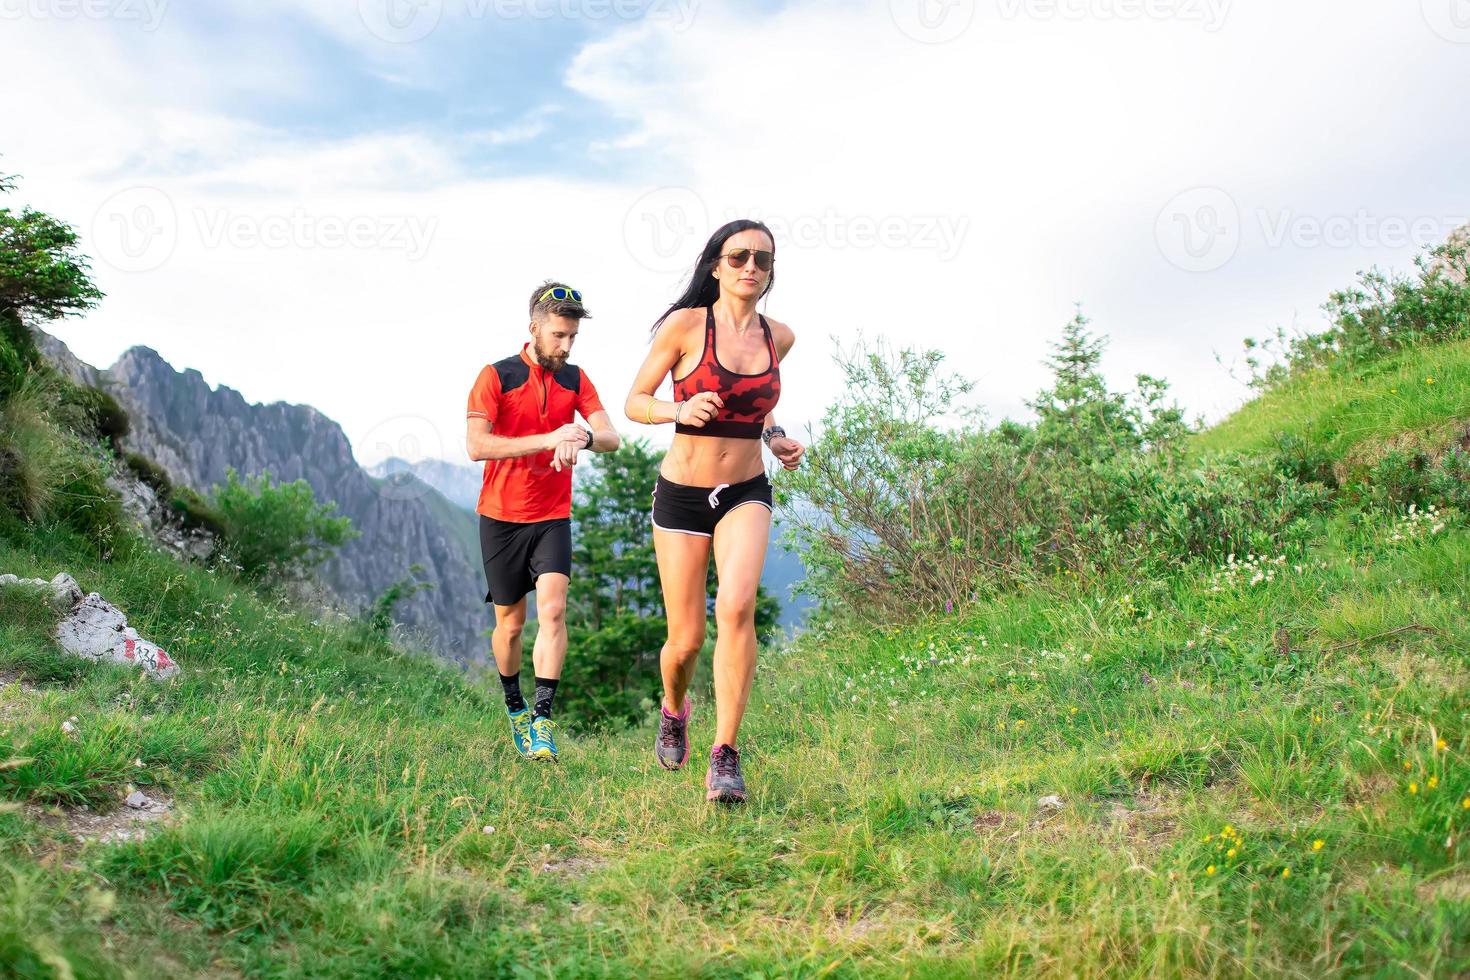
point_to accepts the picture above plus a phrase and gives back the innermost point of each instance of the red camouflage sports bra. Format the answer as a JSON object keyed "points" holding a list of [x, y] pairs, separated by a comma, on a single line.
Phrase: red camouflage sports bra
{"points": [[748, 398]]}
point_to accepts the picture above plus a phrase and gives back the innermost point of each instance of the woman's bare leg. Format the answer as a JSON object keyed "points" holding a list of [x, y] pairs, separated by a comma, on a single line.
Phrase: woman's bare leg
{"points": [[683, 564], [740, 543]]}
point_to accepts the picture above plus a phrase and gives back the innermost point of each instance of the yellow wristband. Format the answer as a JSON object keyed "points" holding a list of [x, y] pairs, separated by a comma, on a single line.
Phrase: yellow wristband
{"points": [[650, 411]]}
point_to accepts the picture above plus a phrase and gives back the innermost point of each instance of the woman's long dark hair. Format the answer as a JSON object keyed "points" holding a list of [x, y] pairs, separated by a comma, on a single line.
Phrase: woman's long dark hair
{"points": [[703, 288]]}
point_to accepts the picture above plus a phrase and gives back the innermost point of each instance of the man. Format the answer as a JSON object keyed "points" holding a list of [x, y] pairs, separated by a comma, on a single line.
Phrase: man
{"points": [[520, 422]]}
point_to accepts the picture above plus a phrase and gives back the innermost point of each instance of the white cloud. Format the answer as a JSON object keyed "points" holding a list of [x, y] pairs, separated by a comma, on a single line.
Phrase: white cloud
{"points": [[961, 195]]}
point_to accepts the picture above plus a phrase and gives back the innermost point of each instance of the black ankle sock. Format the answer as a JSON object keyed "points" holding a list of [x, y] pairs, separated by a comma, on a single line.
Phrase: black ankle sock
{"points": [[511, 685], [545, 691]]}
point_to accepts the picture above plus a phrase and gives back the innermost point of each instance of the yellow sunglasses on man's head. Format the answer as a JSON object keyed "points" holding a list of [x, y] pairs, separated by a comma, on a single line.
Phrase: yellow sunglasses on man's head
{"points": [[561, 293]]}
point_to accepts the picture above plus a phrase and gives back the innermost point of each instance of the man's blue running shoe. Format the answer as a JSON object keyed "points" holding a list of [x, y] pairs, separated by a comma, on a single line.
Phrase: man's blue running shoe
{"points": [[520, 729], [543, 746]]}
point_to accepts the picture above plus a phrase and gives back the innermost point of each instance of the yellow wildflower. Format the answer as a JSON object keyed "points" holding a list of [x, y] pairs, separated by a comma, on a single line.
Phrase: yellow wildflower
{"points": [[1413, 787], [1441, 744], [1210, 870], [1429, 381], [1465, 803], [1286, 872], [1230, 853], [1432, 782], [1318, 844]]}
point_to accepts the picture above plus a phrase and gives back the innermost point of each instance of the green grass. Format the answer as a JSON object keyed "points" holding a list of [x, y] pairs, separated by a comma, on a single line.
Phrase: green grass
{"points": [[1263, 771], [1420, 395], [334, 793]]}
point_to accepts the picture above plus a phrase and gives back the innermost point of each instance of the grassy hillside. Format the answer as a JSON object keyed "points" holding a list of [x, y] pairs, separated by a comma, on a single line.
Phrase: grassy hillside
{"points": [[1419, 397], [1260, 769]]}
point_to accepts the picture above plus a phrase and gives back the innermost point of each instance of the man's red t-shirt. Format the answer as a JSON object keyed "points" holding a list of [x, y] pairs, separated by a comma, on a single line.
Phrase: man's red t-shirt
{"points": [[520, 398]]}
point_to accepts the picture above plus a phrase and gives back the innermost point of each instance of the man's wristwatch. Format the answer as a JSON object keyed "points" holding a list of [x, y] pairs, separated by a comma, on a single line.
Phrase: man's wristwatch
{"points": [[771, 433], [590, 437]]}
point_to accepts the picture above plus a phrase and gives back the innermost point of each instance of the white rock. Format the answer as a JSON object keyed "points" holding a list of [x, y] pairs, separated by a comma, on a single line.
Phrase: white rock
{"points": [[99, 631], [1050, 803], [138, 800], [68, 728], [65, 591]]}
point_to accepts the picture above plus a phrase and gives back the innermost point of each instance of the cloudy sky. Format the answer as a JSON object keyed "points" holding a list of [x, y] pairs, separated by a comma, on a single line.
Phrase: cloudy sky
{"points": [[345, 202]]}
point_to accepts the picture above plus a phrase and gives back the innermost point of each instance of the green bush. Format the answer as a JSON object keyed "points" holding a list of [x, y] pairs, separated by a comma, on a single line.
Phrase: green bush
{"points": [[50, 475], [1401, 478], [194, 513], [1303, 460], [92, 413], [380, 615], [612, 673], [1165, 515], [149, 472], [1380, 314], [896, 516], [275, 532]]}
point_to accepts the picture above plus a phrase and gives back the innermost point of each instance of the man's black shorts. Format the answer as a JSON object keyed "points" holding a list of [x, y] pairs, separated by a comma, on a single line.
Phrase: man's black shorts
{"points": [[514, 554]]}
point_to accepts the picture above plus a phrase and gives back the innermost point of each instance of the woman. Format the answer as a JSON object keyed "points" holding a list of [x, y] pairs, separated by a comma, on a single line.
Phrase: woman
{"points": [[712, 492]]}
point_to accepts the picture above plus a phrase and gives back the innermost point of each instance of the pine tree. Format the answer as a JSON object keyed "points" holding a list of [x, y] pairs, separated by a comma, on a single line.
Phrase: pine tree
{"points": [[1077, 414]]}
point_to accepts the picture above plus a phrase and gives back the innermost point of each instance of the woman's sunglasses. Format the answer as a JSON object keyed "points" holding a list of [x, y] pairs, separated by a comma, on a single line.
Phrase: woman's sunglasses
{"points": [[561, 293], [740, 256]]}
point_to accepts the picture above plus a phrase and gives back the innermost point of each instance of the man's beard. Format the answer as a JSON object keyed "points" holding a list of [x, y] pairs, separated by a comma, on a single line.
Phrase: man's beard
{"points": [[549, 363]]}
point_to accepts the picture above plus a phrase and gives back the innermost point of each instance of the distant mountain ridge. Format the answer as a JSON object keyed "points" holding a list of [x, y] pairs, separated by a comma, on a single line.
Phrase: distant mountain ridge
{"points": [[197, 433], [458, 482]]}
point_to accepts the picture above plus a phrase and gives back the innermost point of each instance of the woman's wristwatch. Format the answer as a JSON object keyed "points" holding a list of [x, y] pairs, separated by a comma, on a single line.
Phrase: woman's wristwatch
{"points": [[772, 432]]}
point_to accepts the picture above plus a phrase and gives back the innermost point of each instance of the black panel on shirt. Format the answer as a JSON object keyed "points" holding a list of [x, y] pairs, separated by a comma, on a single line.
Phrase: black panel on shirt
{"points": [[513, 371]]}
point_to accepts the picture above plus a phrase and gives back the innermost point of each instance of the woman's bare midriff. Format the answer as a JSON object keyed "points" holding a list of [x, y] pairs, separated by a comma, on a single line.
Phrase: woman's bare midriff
{"points": [[708, 461]]}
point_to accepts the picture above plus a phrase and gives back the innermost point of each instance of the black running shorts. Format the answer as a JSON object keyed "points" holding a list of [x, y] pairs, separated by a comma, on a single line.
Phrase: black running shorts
{"points": [[696, 510], [514, 554]]}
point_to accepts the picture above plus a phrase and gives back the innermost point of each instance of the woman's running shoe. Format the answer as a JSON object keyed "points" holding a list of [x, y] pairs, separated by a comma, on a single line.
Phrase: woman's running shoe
{"points": [[724, 782], [543, 746], [671, 747], [520, 729]]}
